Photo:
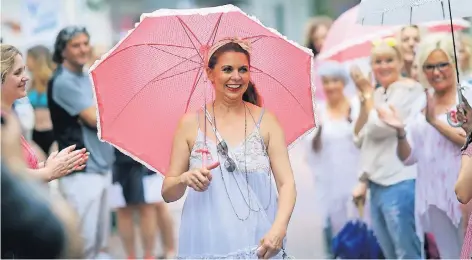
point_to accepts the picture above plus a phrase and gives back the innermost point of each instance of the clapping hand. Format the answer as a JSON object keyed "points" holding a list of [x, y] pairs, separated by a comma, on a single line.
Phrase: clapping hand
{"points": [[390, 117], [430, 111], [363, 83], [66, 161]]}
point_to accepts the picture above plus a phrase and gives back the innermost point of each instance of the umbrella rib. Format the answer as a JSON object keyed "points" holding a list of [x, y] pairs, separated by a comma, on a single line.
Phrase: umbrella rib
{"points": [[176, 74], [257, 37], [141, 44], [283, 86], [175, 66], [194, 87], [184, 25], [145, 86], [178, 56], [214, 31]]}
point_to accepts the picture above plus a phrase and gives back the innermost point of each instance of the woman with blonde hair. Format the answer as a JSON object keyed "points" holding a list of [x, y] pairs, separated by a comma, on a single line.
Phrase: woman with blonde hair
{"points": [[433, 145], [391, 183], [14, 78], [316, 32], [40, 65]]}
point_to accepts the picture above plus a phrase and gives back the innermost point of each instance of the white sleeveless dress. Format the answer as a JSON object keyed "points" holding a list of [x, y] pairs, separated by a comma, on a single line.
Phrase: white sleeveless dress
{"points": [[228, 220], [335, 167]]}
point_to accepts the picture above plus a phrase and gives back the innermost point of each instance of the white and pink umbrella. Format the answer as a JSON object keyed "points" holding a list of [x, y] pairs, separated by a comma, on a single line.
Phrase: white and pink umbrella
{"points": [[349, 40]]}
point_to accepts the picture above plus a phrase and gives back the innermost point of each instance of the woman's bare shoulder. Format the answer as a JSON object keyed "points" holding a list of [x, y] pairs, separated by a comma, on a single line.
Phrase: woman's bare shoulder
{"points": [[258, 112], [187, 122]]}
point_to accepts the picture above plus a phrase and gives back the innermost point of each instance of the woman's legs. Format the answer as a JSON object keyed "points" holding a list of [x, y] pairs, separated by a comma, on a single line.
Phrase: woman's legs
{"points": [[148, 228], [126, 229], [166, 226], [378, 224], [393, 219], [448, 237]]}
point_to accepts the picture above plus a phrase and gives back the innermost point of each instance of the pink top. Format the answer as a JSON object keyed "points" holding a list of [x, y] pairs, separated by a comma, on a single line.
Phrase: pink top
{"points": [[28, 152], [467, 246], [30, 156]]}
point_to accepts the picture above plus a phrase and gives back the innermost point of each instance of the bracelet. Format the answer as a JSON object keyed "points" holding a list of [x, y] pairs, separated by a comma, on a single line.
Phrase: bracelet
{"points": [[363, 97], [401, 137]]}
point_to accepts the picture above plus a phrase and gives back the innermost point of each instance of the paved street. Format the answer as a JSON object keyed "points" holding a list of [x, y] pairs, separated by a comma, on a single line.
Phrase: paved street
{"points": [[304, 237]]}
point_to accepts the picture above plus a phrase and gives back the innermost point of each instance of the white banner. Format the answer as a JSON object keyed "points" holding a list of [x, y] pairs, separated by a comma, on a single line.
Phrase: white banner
{"points": [[41, 22]]}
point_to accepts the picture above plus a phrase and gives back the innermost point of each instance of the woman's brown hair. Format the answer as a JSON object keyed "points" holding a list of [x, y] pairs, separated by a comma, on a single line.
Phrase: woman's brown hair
{"points": [[251, 95], [312, 26]]}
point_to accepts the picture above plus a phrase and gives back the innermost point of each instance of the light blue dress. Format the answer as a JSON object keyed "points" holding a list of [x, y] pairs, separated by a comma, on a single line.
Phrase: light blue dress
{"points": [[230, 218]]}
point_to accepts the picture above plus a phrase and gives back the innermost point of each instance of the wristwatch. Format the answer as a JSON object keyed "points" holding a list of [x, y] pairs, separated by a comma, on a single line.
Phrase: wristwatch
{"points": [[363, 97]]}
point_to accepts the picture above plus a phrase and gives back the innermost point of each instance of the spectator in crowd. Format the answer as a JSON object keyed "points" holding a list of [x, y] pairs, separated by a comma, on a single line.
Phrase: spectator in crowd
{"points": [[73, 114]]}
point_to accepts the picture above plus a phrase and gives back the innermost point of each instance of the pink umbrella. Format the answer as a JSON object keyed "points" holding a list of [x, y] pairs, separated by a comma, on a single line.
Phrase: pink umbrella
{"points": [[348, 40], [152, 77]]}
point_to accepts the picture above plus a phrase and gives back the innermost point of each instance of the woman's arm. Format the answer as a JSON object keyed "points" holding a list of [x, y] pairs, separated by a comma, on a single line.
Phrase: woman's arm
{"points": [[455, 135], [367, 103], [464, 180], [405, 150], [282, 170], [173, 188], [43, 174]]}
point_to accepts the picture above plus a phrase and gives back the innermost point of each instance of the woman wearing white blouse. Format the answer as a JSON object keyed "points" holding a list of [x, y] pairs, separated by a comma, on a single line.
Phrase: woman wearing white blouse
{"points": [[391, 183]]}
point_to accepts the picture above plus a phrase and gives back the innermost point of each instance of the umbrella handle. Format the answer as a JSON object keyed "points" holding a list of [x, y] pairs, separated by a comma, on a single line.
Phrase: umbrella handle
{"points": [[360, 203], [205, 153]]}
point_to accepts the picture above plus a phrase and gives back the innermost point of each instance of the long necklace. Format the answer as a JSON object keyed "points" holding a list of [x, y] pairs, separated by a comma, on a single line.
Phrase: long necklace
{"points": [[248, 202], [221, 170]]}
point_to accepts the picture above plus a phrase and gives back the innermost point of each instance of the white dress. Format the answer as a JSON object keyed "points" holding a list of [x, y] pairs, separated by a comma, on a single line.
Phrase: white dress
{"points": [[335, 167], [228, 220]]}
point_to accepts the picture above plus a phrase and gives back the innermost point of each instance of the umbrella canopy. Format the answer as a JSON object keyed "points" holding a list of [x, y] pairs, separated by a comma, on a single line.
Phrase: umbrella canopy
{"points": [[146, 83], [400, 12], [349, 40]]}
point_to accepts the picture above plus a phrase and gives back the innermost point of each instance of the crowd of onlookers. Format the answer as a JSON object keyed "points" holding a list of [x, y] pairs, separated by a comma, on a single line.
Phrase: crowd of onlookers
{"points": [[50, 92], [391, 145]]}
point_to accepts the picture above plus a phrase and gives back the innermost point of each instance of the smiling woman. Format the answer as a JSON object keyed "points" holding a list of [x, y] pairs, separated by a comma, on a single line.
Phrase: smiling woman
{"points": [[247, 151], [234, 84], [388, 179], [14, 78], [437, 209]]}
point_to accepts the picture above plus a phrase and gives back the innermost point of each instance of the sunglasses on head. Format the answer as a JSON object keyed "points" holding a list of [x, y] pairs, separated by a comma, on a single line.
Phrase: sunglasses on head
{"points": [[71, 31], [229, 163], [439, 66]]}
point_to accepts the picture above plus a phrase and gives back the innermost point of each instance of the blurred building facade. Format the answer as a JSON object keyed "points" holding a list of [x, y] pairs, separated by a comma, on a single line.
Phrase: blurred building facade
{"points": [[288, 17], [30, 22]]}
